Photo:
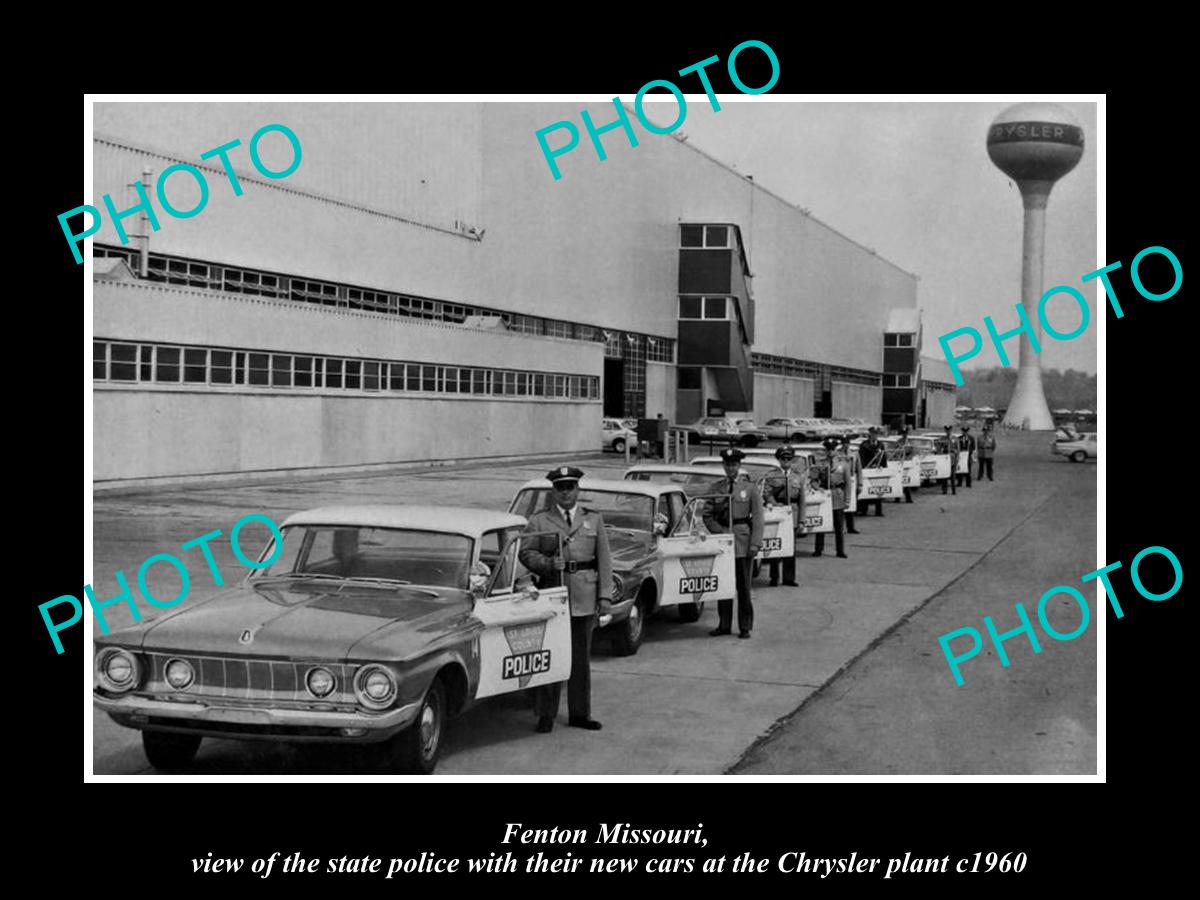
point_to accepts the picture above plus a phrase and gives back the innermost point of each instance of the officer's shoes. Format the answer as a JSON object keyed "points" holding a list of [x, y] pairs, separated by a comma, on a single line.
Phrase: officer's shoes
{"points": [[745, 635], [717, 632], [816, 553], [774, 583], [580, 722], [842, 556], [545, 725], [791, 584]]}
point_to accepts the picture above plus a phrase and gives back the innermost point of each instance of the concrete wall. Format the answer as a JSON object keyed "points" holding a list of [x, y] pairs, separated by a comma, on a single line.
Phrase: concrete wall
{"points": [[782, 395], [939, 408], [857, 401], [146, 431], [660, 390], [155, 430]]}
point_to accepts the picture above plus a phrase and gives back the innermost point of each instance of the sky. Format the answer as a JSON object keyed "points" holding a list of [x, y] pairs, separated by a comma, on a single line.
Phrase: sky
{"points": [[914, 182]]}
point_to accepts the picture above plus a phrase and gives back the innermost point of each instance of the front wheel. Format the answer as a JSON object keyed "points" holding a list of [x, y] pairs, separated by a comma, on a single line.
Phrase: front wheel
{"points": [[415, 749], [619, 445], [797, 438], [1078, 456], [627, 636], [691, 612], [170, 751]]}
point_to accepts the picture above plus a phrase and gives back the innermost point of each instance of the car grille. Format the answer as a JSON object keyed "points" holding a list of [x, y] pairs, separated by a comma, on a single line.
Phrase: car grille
{"points": [[244, 678]]}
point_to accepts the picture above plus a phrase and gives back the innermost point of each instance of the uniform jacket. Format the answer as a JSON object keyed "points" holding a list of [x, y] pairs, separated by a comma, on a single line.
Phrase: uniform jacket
{"points": [[967, 442], [954, 447], [780, 488], [833, 480], [987, 445], [745, 503], [586, 541], [869, 453]]}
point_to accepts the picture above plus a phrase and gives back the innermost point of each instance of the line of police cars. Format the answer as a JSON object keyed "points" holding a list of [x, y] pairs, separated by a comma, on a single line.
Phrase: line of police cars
{"points": [[373, 625]]}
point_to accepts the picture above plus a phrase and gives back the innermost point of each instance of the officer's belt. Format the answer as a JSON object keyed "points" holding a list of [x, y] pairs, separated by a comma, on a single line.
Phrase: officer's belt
{"points": [[746, 521], [576, 565]]}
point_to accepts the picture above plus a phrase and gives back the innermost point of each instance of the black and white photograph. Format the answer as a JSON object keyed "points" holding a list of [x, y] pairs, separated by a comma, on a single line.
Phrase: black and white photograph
{"points": [[691, 435]]}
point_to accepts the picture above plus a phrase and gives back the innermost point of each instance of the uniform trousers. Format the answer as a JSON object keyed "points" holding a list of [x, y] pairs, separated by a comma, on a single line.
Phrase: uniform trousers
{"points": [[985, 464], [547, 697], [863, 504], [839, 519], [789, 569], [743, 567], [952, 481]]}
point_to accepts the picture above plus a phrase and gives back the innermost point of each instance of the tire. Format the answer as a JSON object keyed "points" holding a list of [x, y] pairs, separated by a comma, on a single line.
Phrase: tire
{"points": [[169, 752], [619, 445], [1079, 456], [414, 751], [797, 438], [691, 612], [750, 440], [627, 636]]}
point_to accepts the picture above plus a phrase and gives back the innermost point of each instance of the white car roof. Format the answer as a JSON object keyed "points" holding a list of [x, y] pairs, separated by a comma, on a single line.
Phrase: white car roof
{"points": [[464, 520], [646, 488], [668, 467], [716, 461]]}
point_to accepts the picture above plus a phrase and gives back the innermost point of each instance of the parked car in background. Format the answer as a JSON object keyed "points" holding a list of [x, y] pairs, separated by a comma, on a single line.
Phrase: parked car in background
{"points": [[616, 435], [661, 557], [1079, 450], [752, 434], [712, 429], [370, 624]]}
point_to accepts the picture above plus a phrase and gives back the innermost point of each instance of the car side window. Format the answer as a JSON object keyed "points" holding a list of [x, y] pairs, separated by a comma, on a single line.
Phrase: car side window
{"points": [[676, 502]]}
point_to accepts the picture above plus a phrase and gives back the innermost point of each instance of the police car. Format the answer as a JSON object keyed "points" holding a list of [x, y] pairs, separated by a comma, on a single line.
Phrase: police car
{"points": [[662, 555], [369, 624]]}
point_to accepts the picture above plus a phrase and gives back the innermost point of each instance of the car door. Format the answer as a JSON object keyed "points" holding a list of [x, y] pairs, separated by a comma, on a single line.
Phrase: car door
{"points": [[779, 530], [696, 566], [526, 639]]}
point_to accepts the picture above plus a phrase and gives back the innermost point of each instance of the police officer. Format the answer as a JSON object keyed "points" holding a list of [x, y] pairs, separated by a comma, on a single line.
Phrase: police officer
{"points": [[872, 456], [585, 566], [967, 442], [740, 511], [987, 451], [853, 468], [832, 477], [903, 454], [952, 449], [786, 488]]}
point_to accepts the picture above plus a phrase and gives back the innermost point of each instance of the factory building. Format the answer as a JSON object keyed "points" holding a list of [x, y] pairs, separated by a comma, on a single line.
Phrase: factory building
{"points": [[421, 288]]}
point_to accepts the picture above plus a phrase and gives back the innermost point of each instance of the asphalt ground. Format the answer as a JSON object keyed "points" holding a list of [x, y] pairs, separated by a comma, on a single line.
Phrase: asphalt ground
{"points": [[844, 674]]}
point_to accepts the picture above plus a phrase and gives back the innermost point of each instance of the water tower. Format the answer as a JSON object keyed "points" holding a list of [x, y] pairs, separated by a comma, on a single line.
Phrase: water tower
{"points": [[1034, 144]]}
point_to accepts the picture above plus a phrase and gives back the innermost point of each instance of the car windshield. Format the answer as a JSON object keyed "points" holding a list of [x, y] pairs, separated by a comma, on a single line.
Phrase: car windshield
{"points": [[619, 509], [405, 556]]}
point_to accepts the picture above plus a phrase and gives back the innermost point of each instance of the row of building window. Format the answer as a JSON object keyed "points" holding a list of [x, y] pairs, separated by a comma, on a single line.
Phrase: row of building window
{"points": [[707, 237], [822, 373], [898, 340], [898, 381], [232, 279], [125, 362], [705, 307]]}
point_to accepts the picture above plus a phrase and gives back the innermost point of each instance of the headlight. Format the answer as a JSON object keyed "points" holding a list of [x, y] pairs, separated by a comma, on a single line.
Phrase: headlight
{"points": [[117, 669], [320, 682], [180, 674], [618, 588], [375, 687]]}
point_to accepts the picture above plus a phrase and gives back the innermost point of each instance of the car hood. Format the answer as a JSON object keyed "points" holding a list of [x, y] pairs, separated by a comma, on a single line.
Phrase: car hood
{"points": [[306, 620]]}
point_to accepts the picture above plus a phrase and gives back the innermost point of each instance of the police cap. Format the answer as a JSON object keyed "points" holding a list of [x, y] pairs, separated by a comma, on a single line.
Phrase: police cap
{"points": [[872, 430], [845, 439], [785, 452], [564, 473], [732, 454], [831, 443]]}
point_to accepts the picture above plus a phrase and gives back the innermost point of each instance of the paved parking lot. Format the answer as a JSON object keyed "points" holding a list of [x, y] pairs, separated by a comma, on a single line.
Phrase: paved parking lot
{"points": [[843, 674]]}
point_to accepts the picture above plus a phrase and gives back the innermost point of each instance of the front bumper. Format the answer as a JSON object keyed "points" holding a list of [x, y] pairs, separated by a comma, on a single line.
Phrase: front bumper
{"points": [[222, 719]]}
